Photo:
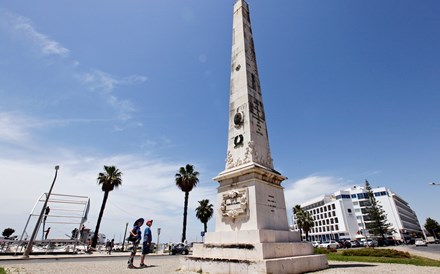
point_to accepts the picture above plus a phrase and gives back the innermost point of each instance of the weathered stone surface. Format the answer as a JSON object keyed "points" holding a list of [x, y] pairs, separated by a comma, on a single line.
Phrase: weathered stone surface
{"points": [[252, 233]]}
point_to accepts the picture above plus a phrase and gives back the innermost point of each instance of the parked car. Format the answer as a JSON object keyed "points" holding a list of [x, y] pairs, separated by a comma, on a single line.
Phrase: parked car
{"points": [[329, 244], [420, 242], [315, 243], [370, 243], [355, 243], [180, 248]]}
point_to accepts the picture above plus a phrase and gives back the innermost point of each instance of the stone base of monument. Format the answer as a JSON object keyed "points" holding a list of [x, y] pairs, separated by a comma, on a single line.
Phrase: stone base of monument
{"points": [[247, 255]]}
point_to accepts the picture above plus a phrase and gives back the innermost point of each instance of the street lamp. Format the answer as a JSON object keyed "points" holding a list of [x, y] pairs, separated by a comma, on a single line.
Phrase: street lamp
{"points": [[37, 225], [158, 234], [125, 235]]}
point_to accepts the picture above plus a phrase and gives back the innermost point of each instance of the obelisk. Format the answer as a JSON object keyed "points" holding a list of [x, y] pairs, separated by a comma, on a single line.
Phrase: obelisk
{"points": [[251, 233]]}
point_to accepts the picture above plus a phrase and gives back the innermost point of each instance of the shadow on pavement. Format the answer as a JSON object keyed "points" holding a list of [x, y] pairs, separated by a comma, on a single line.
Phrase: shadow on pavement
{"points": [[349, 265]]}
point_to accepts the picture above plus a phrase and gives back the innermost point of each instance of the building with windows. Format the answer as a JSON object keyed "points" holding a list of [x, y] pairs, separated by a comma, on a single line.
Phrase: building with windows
{"points": [[343, 215]]}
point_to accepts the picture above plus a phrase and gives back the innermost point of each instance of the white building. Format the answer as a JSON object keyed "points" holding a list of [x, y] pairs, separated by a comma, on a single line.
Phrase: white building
{"points": [[342, 215]]}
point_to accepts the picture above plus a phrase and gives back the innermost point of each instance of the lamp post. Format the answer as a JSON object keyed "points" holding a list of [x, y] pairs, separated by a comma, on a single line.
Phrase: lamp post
{"points": [[125, 235], [37, 225], [158, 234]]}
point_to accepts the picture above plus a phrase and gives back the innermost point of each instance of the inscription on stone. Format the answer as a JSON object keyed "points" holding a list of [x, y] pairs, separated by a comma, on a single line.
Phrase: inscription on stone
{"points": [[271, 202]]}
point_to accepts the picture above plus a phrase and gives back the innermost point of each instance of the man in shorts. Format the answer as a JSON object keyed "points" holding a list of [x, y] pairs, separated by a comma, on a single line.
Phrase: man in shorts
{"points": [[147, 242]]}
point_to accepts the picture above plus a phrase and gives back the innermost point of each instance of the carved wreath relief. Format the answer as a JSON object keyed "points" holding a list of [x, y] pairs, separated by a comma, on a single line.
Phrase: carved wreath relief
{"points": [[234, 203]]}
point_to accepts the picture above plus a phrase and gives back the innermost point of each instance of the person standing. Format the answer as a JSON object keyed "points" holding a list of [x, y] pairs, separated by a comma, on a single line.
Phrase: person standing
{"points": [[135, 237], [147, 242], [47, 233], [112, 244]]}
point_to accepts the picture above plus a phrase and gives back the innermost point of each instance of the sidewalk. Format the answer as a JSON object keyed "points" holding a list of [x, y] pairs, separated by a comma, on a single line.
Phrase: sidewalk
{"points": [[164, 263], [71, 256]]}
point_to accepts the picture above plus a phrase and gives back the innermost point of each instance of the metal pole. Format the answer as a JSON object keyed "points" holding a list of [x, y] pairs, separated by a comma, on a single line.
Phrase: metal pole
{"points": [[37, 225], [125, 235], [158, 234]]}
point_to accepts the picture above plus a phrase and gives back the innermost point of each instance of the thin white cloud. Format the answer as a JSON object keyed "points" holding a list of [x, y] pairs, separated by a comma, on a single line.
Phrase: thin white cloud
{"points": [[99, 80], [95, 79], [13, 127], [23, 27]]}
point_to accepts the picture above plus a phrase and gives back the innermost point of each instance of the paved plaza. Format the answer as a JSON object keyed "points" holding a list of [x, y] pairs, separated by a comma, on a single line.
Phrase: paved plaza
{"points": [[116, 263]]}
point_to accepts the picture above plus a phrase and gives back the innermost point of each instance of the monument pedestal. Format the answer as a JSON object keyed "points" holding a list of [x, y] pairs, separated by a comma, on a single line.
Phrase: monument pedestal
{"points": [[243, 255], [252, 233]]}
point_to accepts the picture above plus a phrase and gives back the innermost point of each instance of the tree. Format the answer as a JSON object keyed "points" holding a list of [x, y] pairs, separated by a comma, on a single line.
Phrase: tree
{"points": [[204, 212], [433, 227], [109, 180], [307, 223], [379, 225], [8, 232], [298, 212], [186, 180]]}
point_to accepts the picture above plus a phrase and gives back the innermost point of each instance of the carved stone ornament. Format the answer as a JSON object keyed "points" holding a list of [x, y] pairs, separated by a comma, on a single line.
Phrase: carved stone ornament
{"points": [[234, 203]]}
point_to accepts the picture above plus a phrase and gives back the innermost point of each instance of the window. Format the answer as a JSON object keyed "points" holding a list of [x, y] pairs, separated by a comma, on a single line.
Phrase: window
{"points": [[349, 210], [336, 227], [325, 215], [331, 221], [336, 220], [353, 196], [364, 203], [327, 222], [334, 213], [333, 206], [329, 207]]}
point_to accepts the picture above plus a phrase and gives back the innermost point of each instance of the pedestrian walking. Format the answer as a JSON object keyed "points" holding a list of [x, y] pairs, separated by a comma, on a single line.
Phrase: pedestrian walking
{"points": [[112, 244], [135, 237], [107, 246], [147, 242]]}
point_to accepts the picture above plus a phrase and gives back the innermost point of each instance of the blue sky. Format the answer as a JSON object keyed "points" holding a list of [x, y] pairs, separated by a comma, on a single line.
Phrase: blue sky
{"points": [[351, 92]]}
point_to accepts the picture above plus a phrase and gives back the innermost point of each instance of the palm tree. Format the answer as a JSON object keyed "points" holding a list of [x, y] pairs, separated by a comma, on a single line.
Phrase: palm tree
{"points": [[186, 180], [109, 180], [204, 212], [298, 212], [307, 223]]}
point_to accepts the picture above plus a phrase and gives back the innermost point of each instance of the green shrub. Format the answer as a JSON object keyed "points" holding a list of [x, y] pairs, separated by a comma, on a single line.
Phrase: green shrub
{"points": [[2, 270], [319, 250], [372, 252]]}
